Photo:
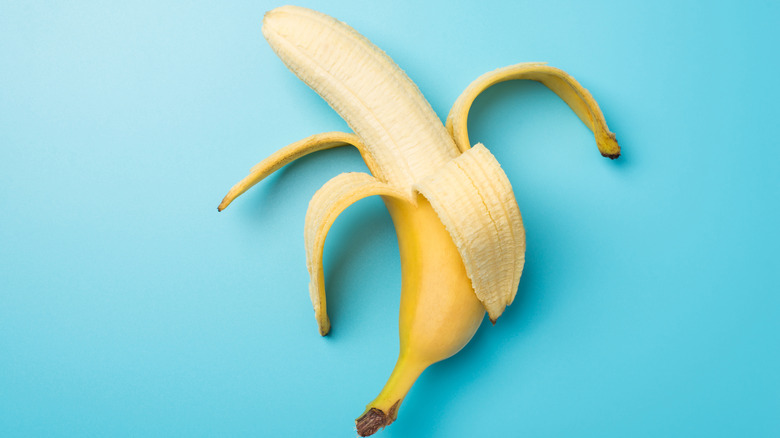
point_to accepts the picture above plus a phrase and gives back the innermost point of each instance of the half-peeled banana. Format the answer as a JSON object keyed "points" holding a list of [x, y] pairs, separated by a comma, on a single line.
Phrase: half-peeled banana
{"points": [[460, 234]]}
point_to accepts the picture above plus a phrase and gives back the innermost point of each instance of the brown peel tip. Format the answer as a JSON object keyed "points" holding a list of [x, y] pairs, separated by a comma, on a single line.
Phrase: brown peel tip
{"points": [[223, 205], [374, 419], [608, 145], [225, 202], [370, 422]]}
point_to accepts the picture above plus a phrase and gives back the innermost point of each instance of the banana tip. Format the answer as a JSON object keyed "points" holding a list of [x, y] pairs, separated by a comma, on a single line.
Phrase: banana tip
{"points": [[225, 202], [370, 422], [374, 419], [611, 156], [324, 326], [608, 145]]}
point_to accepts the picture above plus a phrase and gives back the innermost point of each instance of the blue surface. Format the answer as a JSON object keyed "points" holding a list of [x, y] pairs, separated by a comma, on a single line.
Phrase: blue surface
{"points": [[129, 307]]}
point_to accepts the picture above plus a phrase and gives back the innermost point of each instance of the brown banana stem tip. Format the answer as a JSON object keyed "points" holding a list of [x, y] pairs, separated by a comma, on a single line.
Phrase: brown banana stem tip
{"points": [[374, 419]]}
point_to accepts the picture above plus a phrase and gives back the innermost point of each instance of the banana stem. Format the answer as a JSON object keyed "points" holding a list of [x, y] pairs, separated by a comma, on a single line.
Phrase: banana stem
{"points": [[384, 409]]}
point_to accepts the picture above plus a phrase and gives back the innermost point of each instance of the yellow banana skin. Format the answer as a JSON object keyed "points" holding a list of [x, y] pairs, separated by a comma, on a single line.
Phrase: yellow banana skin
{"points": [[439, 311], [460, 233]]}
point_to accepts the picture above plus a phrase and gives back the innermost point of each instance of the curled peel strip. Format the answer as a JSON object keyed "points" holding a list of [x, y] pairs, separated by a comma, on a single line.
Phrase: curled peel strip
{"points": [[325, 206]]}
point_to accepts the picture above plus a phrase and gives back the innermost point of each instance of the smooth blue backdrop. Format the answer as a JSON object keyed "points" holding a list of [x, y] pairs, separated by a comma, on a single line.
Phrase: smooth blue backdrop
{"points": [[130, 307]]}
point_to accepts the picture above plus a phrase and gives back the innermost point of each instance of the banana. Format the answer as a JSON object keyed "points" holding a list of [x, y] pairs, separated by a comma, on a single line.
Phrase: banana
{"points": [[460, 232]]}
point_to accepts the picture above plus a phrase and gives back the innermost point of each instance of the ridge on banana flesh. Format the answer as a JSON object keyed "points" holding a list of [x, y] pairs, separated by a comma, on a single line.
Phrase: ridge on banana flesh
{"points": [[460, 232]]}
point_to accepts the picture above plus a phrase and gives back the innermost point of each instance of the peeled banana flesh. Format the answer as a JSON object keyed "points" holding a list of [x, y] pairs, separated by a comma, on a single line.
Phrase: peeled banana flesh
{"points": [[460, 233]]}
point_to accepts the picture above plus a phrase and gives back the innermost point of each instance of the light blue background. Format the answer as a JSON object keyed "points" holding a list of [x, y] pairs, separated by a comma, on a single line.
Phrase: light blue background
{"points": [[129, 307]]}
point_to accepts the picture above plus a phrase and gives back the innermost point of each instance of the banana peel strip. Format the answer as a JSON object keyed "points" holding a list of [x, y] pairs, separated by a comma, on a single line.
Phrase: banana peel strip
{"points": [[474, 200], [325, 206], [293, 151]]}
